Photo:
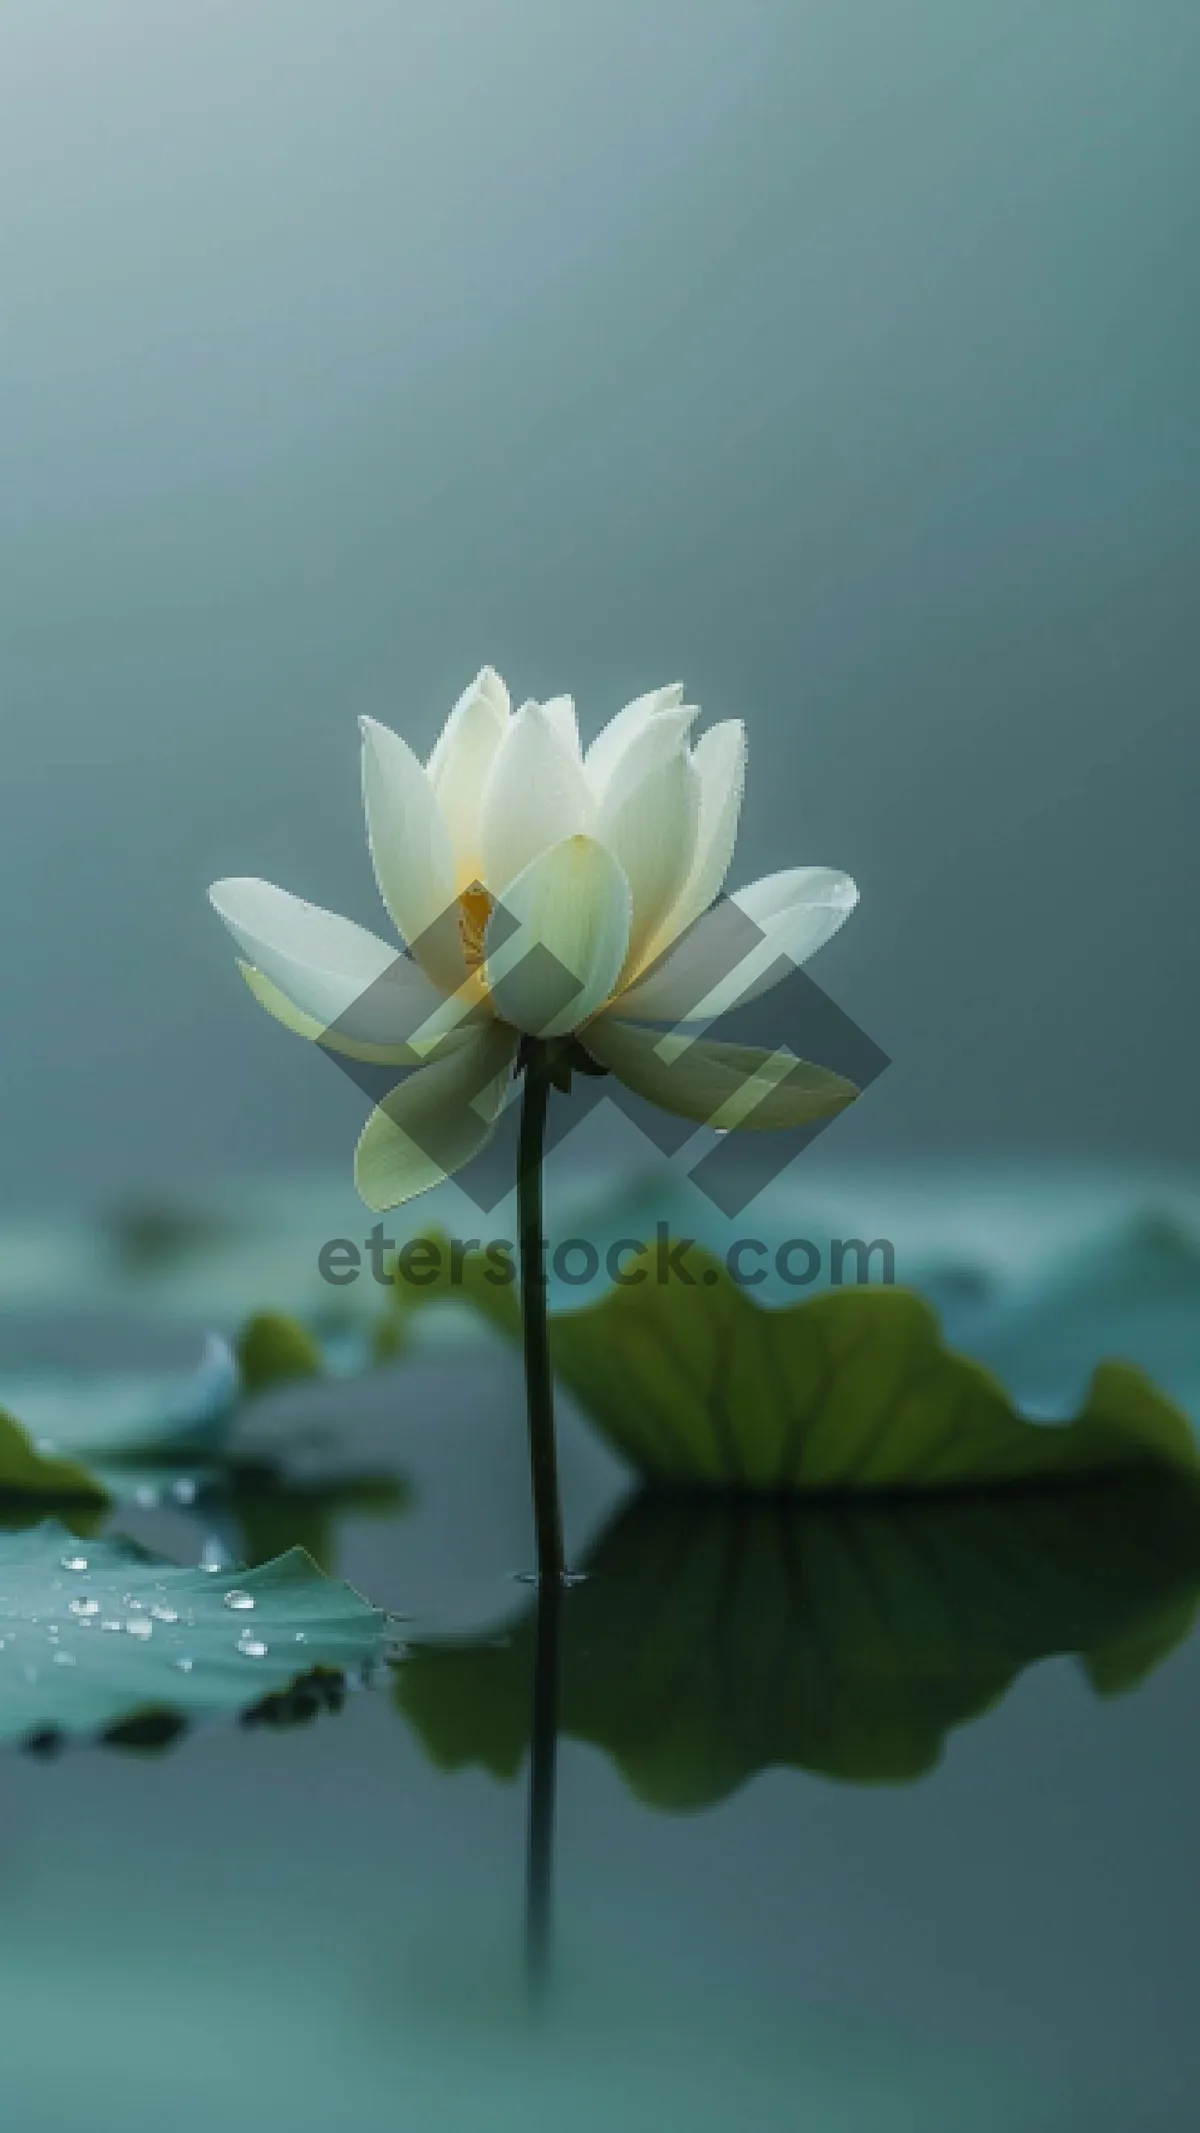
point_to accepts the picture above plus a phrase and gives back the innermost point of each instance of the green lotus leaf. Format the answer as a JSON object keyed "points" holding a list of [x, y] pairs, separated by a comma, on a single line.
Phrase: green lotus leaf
{"points": [[274, 1349], [698, 1386], [99, 1634], [26, 1473], [714, 1639]]}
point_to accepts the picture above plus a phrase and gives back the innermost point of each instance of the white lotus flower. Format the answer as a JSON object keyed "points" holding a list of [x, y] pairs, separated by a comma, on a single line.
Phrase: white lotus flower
{"points": [[545, 892]]}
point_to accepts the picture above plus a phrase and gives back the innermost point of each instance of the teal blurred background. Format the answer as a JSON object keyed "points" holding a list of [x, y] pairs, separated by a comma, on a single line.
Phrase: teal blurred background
{"points": [[837, 357]]}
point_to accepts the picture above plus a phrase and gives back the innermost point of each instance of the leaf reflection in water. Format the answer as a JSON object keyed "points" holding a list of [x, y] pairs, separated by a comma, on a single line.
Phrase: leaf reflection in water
{"points": [[714, 1640]]}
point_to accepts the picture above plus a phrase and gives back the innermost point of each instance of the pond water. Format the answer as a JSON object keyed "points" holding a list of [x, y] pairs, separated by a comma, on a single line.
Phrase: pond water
{"points": [[846, 1834], [315, 1924]]}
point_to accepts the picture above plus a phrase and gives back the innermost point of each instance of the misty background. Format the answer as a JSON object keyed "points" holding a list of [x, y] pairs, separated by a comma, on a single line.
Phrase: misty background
{"points": [[835, 356]]}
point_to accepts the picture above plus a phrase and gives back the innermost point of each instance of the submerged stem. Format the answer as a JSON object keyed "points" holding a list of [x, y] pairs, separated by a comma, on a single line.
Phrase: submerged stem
{"points": [[539, 1382], [543, 1760]]}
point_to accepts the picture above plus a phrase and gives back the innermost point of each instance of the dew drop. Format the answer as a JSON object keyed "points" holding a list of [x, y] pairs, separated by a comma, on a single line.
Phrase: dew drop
{"points": [[146, 1495], [239, 1601], [185, 1665], [184, 1490], [253, 1647], [64, 1658], [163, 1614], [301, 1636], [213, 1556], [84, 1607], [74, 1562], [110, 1625], [140, 1626]]}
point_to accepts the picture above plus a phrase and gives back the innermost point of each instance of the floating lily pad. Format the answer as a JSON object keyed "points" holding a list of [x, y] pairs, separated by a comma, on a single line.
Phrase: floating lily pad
{"points": [[109, 1415], [714, 1640], [97, 1634], [700, 1387], [27, 1473]]}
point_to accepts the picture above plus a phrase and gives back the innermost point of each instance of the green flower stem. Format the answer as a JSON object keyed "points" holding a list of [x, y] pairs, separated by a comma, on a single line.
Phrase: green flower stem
{"points": [[539, 1381]]}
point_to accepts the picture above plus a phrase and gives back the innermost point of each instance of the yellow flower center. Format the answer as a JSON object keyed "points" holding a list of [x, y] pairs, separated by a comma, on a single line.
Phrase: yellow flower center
{"points": [[475, 907]]}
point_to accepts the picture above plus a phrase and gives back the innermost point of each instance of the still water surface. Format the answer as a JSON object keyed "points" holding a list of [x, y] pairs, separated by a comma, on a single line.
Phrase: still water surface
{"points": [[324, 1924]]}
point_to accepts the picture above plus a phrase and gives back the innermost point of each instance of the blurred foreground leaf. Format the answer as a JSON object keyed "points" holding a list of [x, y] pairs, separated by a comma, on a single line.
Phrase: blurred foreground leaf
{"points": [[100, 1634], [273, 1349], [27, 1473], [714, 1640], [700, 1387]]}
